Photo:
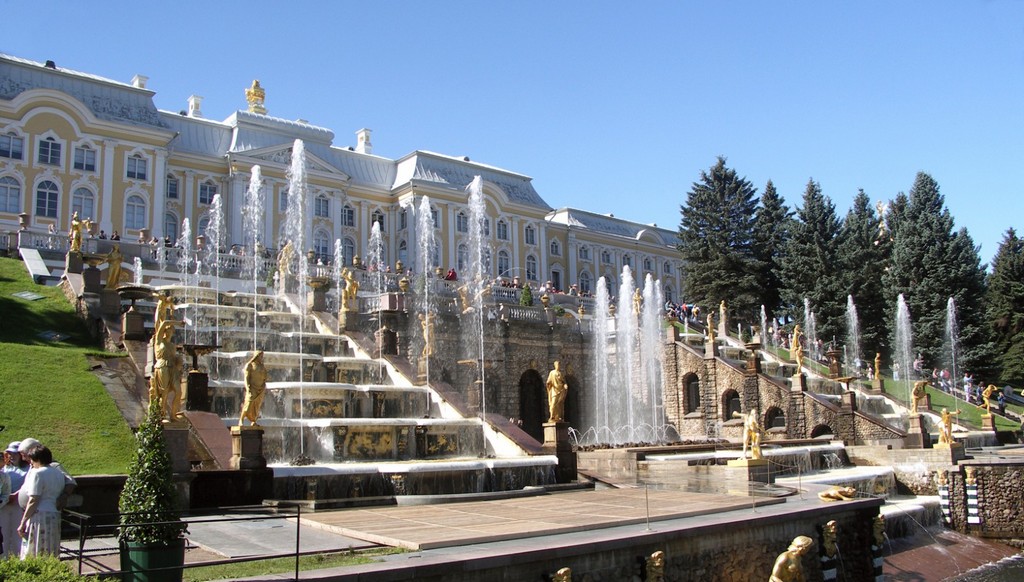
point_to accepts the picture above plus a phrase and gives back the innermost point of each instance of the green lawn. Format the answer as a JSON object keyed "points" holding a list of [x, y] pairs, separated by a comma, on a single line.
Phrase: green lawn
{"points": [[46, 389], [284, 565]]}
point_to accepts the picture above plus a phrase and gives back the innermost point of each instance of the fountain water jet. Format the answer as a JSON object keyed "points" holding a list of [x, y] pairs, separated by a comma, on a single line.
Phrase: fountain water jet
{"points": [[252, 215], [295, 227], [904, 343], [475, 285], [952, 343], [852, 338]]}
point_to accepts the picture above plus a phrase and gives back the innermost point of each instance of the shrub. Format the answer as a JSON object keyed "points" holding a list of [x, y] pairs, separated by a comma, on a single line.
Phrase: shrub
{"points": [[38, 569], [526, 297]]}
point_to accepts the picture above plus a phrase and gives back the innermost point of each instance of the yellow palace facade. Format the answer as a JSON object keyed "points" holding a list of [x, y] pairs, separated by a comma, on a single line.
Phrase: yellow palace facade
{"points": [[75, 142]]}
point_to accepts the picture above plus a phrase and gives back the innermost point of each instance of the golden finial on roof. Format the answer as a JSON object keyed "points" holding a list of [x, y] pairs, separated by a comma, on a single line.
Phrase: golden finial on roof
{"points": [[255, 95]]}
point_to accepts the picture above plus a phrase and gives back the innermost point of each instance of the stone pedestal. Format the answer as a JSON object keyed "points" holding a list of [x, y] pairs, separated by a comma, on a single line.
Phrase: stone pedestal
{"points": [[925, 404], [73, 262], [176, 437], [556, 442], [917, 435], [91, 280], [988, 423], [133, 325], [877, 386], [750, 470], [317, 298], [247, 448], [197, 391], [110, 302], [799, 383], [347, 319], [956, 451]]}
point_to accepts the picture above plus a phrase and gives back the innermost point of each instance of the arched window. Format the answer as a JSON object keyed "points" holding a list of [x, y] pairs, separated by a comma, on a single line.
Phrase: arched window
{"points": [[282, 200], [171, 226], [627, 260], [403, 219], [648, 265], [84, 203], [606, 258], [348, 216], [462, 259], [530, 234], [730, 404], [502, 230], [378, 217], [556, 249], [461, 222], [348, 248], [584, 253], [667, 269], [692, 400], [403, 252], [485, 226], [504, 264], [49, 152], [531, 268], [437, 257], [10, 195], [207, 190], [774, 418], [322, 206], [610, 285], [135, 213], [668, 293], [322, 245], [47, 195], [204, 223], [171, 187], [137, 167], [585, 283]]}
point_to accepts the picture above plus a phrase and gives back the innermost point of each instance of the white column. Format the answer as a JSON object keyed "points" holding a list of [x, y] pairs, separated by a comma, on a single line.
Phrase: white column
{"points": [[542, 234], [573, 250], [453, 251], [236, 201], [188, 202], [516, 249], [159, 194], [107, 198]]}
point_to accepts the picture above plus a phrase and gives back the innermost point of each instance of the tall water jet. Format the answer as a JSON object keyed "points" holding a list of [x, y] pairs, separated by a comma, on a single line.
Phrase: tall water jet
{"points": [[952, 343], [904, 354], [426, 247], [853, 361], [336, 266], [625, 344], [764, 327], [474, 286], [184, 266], [650, 384], [376, 262], [214, 243], [597, 426], [252, 216], [295, 233], [137, 266], [811, 330]]}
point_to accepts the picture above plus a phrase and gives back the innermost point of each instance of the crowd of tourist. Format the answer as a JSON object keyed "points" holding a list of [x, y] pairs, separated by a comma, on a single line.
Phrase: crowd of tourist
{"points": [[33, 491]]}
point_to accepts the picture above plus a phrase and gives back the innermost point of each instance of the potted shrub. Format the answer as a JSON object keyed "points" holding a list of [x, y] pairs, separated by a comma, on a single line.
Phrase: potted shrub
{"points": [[151, 533], [526, 296]]}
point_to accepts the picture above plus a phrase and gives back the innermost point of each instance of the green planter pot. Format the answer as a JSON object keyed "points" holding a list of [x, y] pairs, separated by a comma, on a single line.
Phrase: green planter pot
{"points": [[138, 561]]}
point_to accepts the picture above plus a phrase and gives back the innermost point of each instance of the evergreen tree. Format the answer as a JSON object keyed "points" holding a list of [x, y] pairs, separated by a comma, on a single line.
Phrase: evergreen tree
{"points": [[863, 251], [1005, 308], [771, 220], [717, 246], [930, 263], [810, 265]]}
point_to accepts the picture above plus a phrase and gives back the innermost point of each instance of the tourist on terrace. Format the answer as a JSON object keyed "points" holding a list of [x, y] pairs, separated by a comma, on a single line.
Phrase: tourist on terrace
{"points": [[40, 524], [10, 512]]}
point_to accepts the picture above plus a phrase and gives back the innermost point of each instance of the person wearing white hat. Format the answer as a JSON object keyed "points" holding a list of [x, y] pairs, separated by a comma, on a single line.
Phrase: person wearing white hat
{"points": [[10, 512], [25, 448]]}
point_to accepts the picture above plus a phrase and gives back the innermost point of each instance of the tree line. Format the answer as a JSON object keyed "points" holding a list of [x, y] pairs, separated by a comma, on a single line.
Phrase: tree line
{"points": [[753, 251]]}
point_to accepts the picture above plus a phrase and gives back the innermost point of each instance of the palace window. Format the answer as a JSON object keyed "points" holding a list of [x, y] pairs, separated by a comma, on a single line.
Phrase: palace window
{"points": [[504, 264], [135, 213], [322, 245], [49, 152], [502, 230], [378, 217], [485, 226], [403, 251], [10, 195], [626, 260], [531, 268], [137, 168], [11, 146], [171, 187], [348, 216], [462, 259], [584, 253], [530, 234], [207, 190], [606, 258], [648, 265], [556, 249], [434, 217], [85, 159], [46, 199], [322, 206], [348, 249], [461, 222], [668, 268], [171, 226], [84, 203], [403, 220], [585, 282]]}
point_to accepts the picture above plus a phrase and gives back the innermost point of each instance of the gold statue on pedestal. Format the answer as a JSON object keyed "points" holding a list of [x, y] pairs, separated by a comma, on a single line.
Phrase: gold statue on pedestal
{"points": [[284, 263], [557, 389], [76, 232], [788, 566], [751, 433], [563, 575], [829, 532], [348, 295], [655, 567], [987, 397], [164, 310], [946, 427], [255, 96], [114, 258], [796, 348], [255, 388], [919, 394], [165, 383], [427, 324], [638, 301]]}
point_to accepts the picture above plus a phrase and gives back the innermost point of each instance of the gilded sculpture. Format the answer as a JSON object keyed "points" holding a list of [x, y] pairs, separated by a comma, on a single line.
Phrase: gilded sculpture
{"points": [[348, 295], [165, 382], [563, 575], [655, 567], [255, 388], [711, 329], [919, 394], [76, 232], [878, 530], [164, 309], [796, 348], [829, 532], [113, 260], [970, 477], [255, 96], [751, 433], [838, 493], [987, 396], [638, 301], [946, 426], [878, 365], [557, 389], [789, 566], [427, 325]]}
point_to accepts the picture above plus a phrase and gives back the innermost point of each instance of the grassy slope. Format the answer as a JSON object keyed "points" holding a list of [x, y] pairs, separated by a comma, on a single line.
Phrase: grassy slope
{"points": [[46, 388]]}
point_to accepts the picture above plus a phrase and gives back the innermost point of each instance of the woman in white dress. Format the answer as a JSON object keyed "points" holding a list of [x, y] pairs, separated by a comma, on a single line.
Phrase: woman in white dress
{"points": [[40, 524]]}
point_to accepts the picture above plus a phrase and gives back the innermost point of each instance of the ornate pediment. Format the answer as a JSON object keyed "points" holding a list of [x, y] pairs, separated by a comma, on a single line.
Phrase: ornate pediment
{"points": [[283, 156]]}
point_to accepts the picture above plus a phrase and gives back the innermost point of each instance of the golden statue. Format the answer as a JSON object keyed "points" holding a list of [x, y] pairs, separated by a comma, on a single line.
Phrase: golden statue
{"points": [[255, 388], [919, 394], [114, 258], [722, 311], [563, 575], [165, 383], [878, 366], [970, 478], [788, 566], [638, 301], [285, 257], [796, 349], [878, 530], [711, 329], [76, 232], [557, 388], [987, 397], [829, 533], [427, 324], [255, 95], [751, 433], [946, 428], [164, 310], [348, 296], [940, 478], [838, 493], [655, 567], [464, 298]]}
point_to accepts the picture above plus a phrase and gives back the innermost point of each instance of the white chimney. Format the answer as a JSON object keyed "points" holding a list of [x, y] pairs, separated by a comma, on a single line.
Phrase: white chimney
{"points": [[363, 144], [195, 104], [139, 81]]}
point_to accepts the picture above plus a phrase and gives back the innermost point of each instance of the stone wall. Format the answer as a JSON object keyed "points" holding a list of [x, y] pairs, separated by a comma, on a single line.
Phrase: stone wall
{"points": [[1000, 486]]}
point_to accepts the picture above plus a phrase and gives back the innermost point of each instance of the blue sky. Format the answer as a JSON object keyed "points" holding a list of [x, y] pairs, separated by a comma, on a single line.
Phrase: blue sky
{"points": [[610, 107]]}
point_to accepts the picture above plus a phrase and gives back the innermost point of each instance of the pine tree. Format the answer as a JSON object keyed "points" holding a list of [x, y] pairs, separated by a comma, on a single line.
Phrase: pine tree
{"points": [[810, 264], [1005, 308], [863, 252], [930, 263], [716, 243], [771, 220]]}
